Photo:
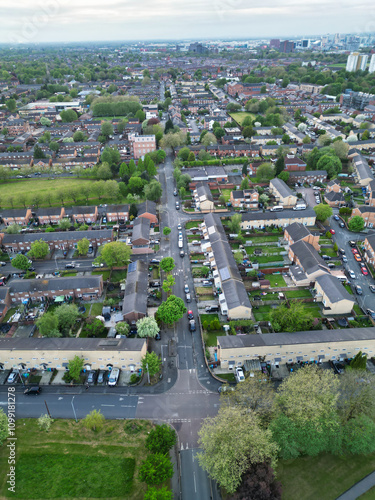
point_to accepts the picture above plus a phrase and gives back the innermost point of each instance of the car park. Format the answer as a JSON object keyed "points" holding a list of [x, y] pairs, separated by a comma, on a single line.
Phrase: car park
{"points": [[35, 390], [358, 290], [240, 377], [114, 376]]}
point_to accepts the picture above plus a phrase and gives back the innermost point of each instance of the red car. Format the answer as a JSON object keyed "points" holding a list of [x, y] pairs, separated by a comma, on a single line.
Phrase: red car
{"points": [[190, 315], [364, 271], [332, 231], [354, 250]]}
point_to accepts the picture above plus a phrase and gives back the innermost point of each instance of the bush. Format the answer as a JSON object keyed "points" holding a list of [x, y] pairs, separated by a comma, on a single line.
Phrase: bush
{"points": [[134, 378], [156, 469], [44, 422], [161, 439]]}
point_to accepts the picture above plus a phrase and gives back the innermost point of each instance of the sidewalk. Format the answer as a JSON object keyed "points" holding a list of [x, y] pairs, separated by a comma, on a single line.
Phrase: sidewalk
{"points": [[359, 488]]}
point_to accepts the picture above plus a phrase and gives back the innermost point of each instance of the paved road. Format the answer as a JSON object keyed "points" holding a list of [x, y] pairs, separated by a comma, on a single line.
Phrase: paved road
{"points": [[342, 237], [359, 488], [194, 480]]}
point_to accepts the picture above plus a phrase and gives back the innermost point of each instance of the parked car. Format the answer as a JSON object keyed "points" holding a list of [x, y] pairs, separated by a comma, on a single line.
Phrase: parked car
{"points": [[354, 251], [240, 377], [182, 253], [179, 227], [342, 251], [326, 257], [336, 217], [364, 271], [351, 274], [96, 264], [206, 283], [352, 243], [114, 376], [372, 288], [154, 261], [155, 284], [345, 259], [3, 263], [188, 297], [12, 377], [358, 290], [341, 224], [91, 377], [332, 231], [212, 309], [33, 391], [371, 313], [186, 288], [175, 192], [357, 257], [70, 266], [192, 326]]}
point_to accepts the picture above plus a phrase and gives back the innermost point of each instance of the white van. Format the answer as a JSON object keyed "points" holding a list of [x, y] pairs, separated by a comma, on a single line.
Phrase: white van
{"points": [[277, 208], [302, 206], [180, 243], [114, 376]]}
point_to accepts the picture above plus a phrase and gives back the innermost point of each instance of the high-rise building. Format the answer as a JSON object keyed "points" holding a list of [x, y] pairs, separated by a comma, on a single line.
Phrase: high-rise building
{"points": [[286, 46], [275, 43], [372, 64], [356, 61]]}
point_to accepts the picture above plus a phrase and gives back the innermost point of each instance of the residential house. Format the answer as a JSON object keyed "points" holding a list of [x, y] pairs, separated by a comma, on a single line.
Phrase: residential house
{"points": [[283, 194], [117, 213], [148, 209], [309, 176], [293, 164], [20, 216], [362, 170], [203, 198], [371, 194], [367, 213], [142, 144], [244, 198], [72, 287], [333, 195], [298, 232], [308, 264], [55, 353], [282, 348], [369, 247], [261, 220], [134, 306], [332, 293], [141, 236], [48, 215], [83, 215]]}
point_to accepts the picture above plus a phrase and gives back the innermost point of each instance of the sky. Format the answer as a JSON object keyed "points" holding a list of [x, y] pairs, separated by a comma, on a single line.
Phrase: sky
{"points": [[33, 21]]}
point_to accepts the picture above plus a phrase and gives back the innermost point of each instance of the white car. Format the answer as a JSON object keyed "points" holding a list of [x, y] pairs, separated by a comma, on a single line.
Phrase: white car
{"points": [[351, 274], [240, 377], [114, 376], [96, 264]]}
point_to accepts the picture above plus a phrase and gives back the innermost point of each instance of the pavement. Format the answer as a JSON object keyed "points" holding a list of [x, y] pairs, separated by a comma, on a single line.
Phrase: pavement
{"points": [[359, 488]]}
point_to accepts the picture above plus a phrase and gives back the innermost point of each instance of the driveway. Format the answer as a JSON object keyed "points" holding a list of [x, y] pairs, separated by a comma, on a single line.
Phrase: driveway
{"points": [[308, 195]]}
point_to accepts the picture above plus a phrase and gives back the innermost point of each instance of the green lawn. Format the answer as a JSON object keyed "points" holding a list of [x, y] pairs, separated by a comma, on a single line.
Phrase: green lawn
{"points": [[240, 116], [105, 274], [192, 224], [348, 289], [208, 317], [261, 239], [370, 495], [264, 259], [96, 308], [276, 280], [357, 309], [9, 313], [226, 194], [262, 313], [118, 276], [210, 338], [30, 187], [324, 477], [229, 377], [72, 462]]}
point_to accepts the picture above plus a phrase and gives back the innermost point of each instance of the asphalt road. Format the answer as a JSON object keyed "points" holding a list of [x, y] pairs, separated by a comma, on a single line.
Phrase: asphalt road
{"points": [[342, 238], [194, 480]]}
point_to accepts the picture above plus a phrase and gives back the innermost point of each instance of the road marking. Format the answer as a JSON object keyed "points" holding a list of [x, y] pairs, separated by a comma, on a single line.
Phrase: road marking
{"points": [[195, 483], [107, 405], [60, 398], [169, 380], [128, 406]]}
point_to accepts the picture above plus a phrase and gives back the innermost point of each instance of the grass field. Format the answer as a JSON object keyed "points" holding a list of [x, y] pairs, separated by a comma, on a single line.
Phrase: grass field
{"points": [[324, 477], [240, 116], [276, 280], [72, 462], [298, 294], [31, 187], [262, 313]]}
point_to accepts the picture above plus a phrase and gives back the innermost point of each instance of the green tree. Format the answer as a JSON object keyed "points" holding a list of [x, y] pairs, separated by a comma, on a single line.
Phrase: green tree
{"points": [[168, 284], [78, 136], [104, 172], [356, 223], [171, 310], [359, 361], [295, 318], [38, 153], [167, 231], [11, 105], [147, 327], [48, 325], [284, 176], [154, 493], [38, 249], [184, 154], [66, 315], [286, 139], [83, 246], [151, 363], [331, 164], [21, 262], [191, 156], [224, 462], [235, 224], [153, 191], [245, 183], [75, 366], [94, 420], [122, 328], [106, 129], [161, 439], [323, 212], [115, 254], [54, 146], [306, 140], [68, 115], [167, 264], [13, 229], [209, 139], [45, 422], [64, 224], [265, 172], [156, 469], [3, 426], [357, 393]]}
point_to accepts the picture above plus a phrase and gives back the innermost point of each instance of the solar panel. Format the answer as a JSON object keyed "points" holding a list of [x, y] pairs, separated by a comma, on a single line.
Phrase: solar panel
{"points": [[132, 267]]}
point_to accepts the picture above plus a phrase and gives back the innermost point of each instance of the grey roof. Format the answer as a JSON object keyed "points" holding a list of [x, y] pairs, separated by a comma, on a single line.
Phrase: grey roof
{"points": [[295, 338], [366, 208], [203, 191], [297, 231], [147, 207], [362, 167], [72, 344], [285, 214], [20, 212], [135, 296], [333, 196], [80, 210], [57, 236], [141, 229], [55, 284], [333, 288], [308, 173], [281, 187], [235, 294], [309, 258]]}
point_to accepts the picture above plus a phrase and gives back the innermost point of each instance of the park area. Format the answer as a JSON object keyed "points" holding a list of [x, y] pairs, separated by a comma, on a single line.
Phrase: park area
{"points": [[240, 116], [13, 193], [71, 461]]}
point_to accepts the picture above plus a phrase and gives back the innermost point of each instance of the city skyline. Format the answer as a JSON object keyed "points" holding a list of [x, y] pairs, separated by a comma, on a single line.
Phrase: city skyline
{"points": [[66, 21]]}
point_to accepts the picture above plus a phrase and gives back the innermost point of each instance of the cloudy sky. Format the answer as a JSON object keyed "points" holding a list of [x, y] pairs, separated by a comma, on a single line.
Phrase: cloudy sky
{"points": [[71, 20]]}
